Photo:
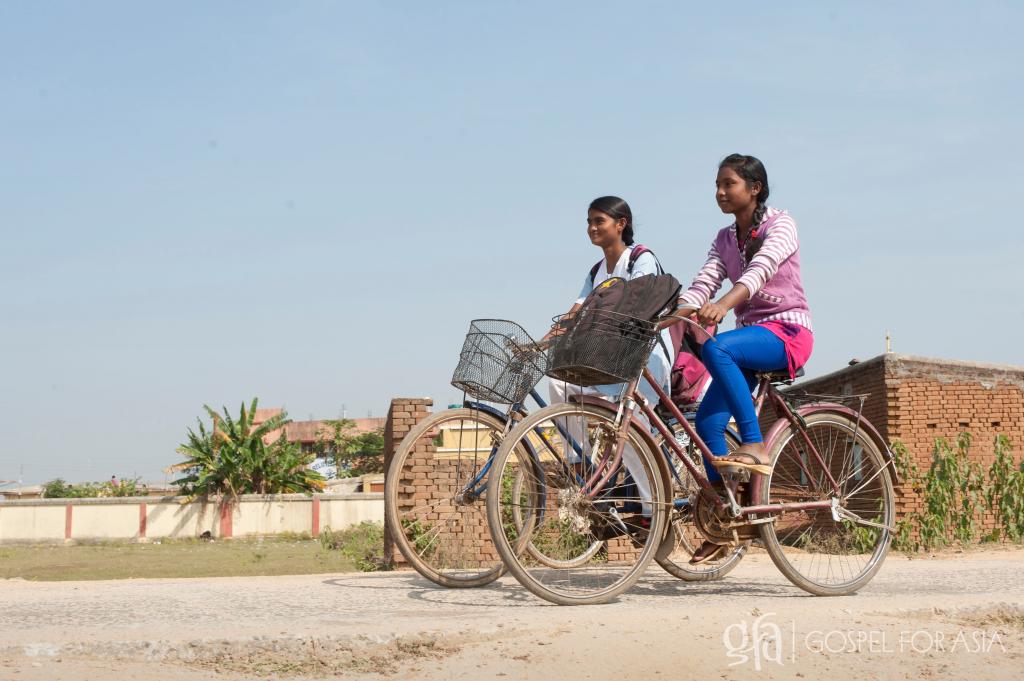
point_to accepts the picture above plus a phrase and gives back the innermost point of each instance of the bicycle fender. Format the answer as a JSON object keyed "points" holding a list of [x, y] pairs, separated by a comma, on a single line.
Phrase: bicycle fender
{"points": [[480, 406], [600, 402], [829, 407]]}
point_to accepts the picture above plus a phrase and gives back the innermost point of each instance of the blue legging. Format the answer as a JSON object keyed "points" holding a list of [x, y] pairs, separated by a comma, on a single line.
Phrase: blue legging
{"points": [[732, 358]]}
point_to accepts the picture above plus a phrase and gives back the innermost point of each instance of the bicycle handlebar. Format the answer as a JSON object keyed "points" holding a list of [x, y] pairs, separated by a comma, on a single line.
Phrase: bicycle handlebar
{"points": [[675, 318]]}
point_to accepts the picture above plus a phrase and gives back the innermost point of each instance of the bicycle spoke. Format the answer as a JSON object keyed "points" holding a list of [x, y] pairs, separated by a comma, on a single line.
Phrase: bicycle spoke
{"points": [[874, 475]]}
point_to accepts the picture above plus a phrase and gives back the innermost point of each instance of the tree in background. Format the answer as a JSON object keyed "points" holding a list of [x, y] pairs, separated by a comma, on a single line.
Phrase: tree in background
{"points": [[354, 453], [234, 458], [58, 489]]}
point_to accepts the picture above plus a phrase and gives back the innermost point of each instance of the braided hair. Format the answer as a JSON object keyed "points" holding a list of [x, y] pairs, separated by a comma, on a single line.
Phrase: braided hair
{"points": [[751, 170], [617, 209]]}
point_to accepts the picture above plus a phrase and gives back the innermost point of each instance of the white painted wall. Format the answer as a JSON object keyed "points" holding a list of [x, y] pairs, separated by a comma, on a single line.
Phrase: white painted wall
{"points": [[168, 517], [120, 521], [340, 512], [272, 516], [31, 523], [174, 519]]}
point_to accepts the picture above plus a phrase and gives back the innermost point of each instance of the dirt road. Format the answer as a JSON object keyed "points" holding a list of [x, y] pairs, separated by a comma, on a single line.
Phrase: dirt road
{"points": [[955, 616]]}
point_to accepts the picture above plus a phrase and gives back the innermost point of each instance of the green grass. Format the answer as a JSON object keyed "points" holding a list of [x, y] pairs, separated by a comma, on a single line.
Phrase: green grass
{"points": [[178, 558]]}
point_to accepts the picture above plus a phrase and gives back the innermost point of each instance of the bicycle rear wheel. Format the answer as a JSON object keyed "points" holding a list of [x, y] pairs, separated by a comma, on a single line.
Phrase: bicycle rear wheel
{"points": [[683, 537], [561, 520], [554, 554], [435, 513], [819, 554]]}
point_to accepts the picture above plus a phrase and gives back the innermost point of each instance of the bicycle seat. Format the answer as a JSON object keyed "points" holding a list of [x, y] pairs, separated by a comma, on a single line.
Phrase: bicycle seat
{"points": [[780, 376]]}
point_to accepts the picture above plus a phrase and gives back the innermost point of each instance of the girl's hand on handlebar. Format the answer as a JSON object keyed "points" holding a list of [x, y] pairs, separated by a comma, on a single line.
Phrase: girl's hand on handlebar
{"points": [[518, 348], [680, 313], [560, 325], [712, 313]]}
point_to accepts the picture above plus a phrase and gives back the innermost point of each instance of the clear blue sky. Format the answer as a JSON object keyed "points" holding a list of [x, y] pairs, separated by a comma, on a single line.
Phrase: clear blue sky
{"points": [[308, 202]]}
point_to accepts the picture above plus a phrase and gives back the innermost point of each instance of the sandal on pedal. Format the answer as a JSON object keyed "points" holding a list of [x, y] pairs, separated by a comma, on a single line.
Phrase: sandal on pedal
{"points": [[707, 551], [747, 457]]}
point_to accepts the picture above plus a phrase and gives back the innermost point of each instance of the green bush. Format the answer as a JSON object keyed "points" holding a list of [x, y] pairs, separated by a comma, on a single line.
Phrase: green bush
{"points": [[420, 536], [955, 490], [59, 489], [355, 454], [362, 543]]}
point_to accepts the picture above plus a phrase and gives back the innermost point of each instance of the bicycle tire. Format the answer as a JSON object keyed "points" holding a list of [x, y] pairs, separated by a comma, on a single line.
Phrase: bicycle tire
{"points": [[451, 578]]}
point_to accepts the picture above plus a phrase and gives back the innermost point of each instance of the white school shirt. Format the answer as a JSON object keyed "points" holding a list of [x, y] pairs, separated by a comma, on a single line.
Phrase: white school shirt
{"points": [[659, 365]]}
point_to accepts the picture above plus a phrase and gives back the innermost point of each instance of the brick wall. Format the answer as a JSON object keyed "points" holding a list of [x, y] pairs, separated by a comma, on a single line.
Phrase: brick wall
{"points": [[431, 478], [403, 414], [432, 482], [916, 400], [911, 399]]}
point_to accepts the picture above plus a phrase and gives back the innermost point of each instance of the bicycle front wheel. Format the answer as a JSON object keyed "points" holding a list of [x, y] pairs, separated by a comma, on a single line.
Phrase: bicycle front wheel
{"points": [[435, 512], [839, 463], [556, 450]]}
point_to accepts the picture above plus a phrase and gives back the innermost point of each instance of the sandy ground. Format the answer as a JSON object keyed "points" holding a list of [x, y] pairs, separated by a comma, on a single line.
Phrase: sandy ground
{"points": [[953, 616]]}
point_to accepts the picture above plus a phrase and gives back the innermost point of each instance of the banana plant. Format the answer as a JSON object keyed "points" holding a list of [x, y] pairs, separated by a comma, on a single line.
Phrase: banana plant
{"points": [[235, 458]]}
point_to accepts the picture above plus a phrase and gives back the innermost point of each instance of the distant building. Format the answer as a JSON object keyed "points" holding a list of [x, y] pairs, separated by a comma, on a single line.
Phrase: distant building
{"points": [[306, 433], [454, 439]]}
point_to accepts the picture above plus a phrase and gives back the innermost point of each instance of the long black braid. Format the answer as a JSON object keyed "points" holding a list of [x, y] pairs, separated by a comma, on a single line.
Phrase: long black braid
{"points": [[751, 170], [756, 237]]}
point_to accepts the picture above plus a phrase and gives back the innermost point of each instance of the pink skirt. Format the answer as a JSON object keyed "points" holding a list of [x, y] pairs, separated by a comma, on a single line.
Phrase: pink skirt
{"points": [[799, 342]]}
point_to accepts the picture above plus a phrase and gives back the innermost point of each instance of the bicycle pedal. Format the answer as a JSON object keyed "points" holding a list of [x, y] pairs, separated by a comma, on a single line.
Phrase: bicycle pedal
{"points": [[737, 475], [742, 532]]}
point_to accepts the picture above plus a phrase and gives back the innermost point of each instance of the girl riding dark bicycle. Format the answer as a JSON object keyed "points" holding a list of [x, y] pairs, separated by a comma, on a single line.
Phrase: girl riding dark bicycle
{"points": [[610, 228], [760, 254]]}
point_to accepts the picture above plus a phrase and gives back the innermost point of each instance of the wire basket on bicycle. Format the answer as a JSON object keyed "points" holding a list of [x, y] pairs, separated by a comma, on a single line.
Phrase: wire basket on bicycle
{"points": [[499, 362], [597, 347]]}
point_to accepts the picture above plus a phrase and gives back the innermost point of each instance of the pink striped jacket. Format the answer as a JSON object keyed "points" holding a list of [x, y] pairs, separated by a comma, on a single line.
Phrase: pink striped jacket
{"points": [[772, 275]]}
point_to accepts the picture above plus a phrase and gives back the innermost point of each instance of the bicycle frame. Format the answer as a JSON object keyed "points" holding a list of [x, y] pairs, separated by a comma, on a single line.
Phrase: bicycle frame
{"points": [[765, 392], [475, 487]]}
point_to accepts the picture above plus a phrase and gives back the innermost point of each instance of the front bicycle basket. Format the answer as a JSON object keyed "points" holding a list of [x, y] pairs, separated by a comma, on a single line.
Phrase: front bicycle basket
{"points": [[499, 362], [597, 347]]}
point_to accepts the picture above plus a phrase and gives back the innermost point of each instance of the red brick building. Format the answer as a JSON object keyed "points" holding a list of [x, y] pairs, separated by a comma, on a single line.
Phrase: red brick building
{"points": [[917, 399]]}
